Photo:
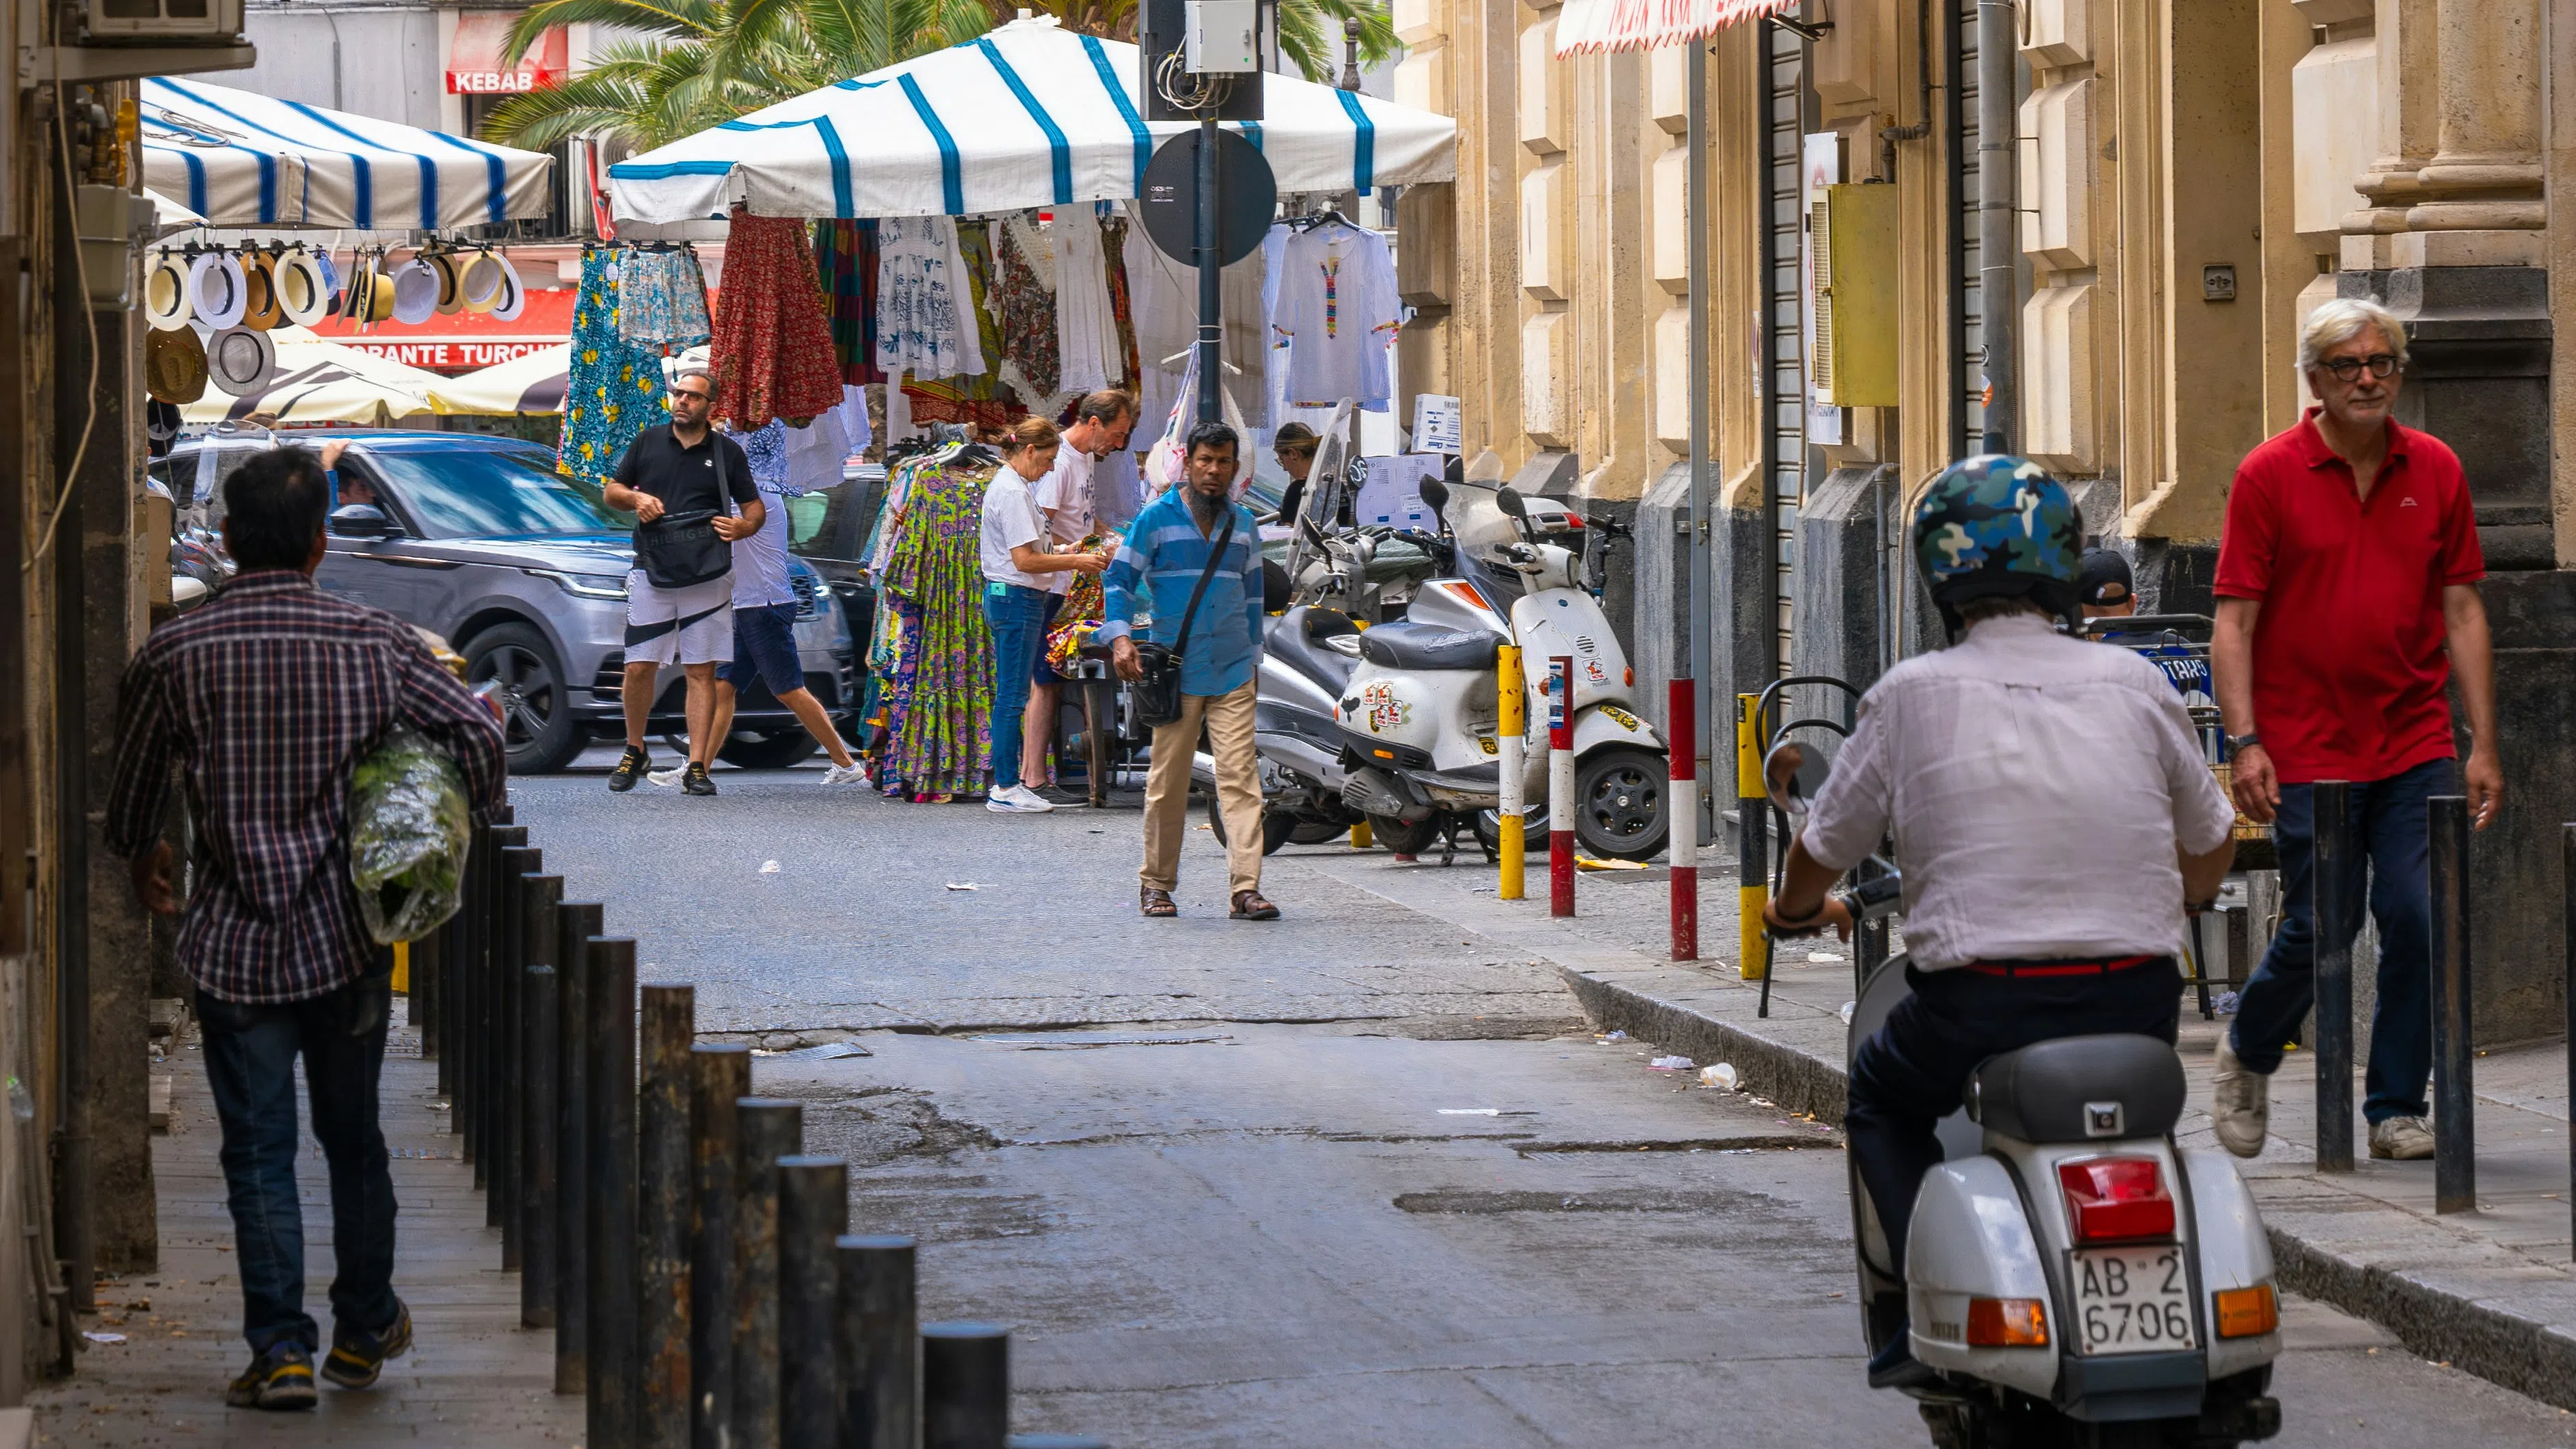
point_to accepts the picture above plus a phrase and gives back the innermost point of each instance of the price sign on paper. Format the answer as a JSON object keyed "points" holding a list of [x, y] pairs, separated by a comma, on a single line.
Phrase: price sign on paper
{"points": [[1435, 423]]}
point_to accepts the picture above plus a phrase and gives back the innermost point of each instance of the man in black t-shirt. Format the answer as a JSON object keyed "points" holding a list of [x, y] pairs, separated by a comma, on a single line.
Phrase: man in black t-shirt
{"points": [[684, 467]]}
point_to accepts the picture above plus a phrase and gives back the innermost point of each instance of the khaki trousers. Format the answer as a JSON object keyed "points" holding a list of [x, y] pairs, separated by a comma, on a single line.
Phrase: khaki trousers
{"points": [[1228, 718]]}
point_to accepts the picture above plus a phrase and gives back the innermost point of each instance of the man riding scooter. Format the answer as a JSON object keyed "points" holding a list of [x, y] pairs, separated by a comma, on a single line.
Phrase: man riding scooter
{"points": [[2053, 817]]}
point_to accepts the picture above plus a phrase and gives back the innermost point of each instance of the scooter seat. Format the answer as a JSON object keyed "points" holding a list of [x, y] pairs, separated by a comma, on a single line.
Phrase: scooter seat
{"points": [[1423, 646], [2079, 1089]]}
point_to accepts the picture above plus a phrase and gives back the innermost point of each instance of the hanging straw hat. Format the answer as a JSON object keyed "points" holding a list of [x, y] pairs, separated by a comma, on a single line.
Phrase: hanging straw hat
{"points": [[174, 365], [481, 282], [165, 293], [451, 283], [217, 291], [303, 291], [509, 297], [241, 361], [259, 285], [416, 289]]}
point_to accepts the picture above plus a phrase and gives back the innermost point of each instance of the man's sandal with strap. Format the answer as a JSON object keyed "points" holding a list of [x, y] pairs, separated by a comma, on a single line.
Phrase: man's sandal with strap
{"points": [[1156, 903], [1249, 906]]}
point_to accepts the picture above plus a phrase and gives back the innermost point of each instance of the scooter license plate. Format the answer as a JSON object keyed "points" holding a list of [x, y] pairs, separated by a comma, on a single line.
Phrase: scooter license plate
{"points": [[2132, 1300]]}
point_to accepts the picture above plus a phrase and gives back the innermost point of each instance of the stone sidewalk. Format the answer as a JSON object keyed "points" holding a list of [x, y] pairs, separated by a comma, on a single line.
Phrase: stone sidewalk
{"points": [[2491, 1291], [473, 1376]]}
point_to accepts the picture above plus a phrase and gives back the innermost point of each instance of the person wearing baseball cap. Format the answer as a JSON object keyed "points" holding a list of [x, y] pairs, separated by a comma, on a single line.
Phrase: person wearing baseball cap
{"points": [[2103, 585]]}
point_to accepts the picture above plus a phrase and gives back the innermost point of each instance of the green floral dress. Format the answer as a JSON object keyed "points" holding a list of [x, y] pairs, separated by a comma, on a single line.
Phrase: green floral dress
{"points": [[939, 700], [615, 388]]}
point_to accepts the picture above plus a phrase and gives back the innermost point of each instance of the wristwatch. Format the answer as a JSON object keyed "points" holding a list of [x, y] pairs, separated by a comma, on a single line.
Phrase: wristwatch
{"points": [[2244, 741]]}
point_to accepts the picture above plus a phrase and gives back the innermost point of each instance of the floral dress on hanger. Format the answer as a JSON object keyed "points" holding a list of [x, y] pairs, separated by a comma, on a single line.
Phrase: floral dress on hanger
{"points": [[939, 700], [773, 353], [614, 389]]}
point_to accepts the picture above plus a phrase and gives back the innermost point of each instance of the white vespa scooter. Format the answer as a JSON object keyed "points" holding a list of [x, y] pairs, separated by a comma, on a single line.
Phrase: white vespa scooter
{"points": [[2073, 1279], [1421, 710]]}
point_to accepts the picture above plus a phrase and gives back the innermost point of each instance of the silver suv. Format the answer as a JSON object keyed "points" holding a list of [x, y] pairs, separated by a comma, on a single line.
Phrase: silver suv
{"points": [[524, 571]]}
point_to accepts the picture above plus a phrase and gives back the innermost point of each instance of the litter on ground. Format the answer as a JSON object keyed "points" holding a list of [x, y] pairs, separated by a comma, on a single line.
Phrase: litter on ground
{"points": [[769, 867], [1585, 862], [1672, 1064], [1721, 1076], [964, 886]]}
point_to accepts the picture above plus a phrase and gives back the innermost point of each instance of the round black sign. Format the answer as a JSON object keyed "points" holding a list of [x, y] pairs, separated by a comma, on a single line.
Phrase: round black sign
{"points": [[1247, 195]]}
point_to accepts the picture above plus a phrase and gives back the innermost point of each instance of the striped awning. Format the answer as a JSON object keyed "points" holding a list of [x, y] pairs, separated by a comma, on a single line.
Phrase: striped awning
{"points": [[1595, 26], [243, 160], [1027, 115]]}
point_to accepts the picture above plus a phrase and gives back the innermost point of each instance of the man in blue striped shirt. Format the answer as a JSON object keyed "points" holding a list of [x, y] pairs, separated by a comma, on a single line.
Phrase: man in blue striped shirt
{"points": [[1167, 550]]}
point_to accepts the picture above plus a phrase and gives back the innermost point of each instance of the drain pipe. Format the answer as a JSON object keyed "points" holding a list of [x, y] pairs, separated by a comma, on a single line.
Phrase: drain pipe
{"points": [[1998, 250]]}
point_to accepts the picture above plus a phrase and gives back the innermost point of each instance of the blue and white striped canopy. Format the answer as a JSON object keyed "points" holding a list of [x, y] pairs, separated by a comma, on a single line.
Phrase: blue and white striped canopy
{"points": [[1028, 115], [243, 160]]}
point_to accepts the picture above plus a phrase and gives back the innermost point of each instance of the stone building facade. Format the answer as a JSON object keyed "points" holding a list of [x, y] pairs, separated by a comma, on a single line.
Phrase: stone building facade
{"points": [[2191, 180]]}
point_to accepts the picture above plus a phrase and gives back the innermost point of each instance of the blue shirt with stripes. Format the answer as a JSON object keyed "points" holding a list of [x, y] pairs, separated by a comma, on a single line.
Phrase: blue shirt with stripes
{"points": [[1157, 569]]}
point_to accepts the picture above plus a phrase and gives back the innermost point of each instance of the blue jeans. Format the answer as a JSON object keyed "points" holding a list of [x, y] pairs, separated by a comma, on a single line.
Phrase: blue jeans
{"points": [[1018, 616], [250, 1061], [2388, 825]]}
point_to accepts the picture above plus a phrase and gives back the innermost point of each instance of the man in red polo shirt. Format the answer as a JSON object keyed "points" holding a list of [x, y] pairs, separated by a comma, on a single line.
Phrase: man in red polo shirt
{"points": [[2347, 584]]}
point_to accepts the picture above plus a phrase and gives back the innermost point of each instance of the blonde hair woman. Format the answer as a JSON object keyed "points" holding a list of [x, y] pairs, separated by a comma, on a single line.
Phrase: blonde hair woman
{"points": [[1016, 562]]}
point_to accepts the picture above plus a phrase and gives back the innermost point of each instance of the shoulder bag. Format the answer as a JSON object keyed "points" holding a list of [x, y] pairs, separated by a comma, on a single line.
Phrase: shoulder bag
{"points": [[680, 549], [1158, 694]]}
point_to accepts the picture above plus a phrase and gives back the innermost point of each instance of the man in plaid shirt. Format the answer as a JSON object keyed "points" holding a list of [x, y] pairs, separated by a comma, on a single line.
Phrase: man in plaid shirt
{"points": [[267, 697]]}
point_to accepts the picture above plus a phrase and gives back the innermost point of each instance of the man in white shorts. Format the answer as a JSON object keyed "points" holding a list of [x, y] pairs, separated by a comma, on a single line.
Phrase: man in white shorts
{"points": [[682, 467]]}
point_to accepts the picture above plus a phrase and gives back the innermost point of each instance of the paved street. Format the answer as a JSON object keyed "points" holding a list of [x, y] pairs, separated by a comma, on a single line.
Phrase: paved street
{"points": [[1359, 1177]]}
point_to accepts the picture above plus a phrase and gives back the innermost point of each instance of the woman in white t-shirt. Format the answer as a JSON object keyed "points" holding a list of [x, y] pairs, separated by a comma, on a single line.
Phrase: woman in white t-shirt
{"points": [[1016, 598]]}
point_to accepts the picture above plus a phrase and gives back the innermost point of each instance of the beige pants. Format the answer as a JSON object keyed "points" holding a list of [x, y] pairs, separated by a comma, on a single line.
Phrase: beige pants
{"points": [[1228, 718]]}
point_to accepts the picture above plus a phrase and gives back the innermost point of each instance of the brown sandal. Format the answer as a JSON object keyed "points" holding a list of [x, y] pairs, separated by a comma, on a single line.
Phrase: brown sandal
{"points": [[1156, 903], [1249, 906]]}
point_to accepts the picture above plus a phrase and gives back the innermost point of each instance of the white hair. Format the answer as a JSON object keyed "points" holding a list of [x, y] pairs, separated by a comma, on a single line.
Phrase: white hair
{"points": [[2341, 320]]}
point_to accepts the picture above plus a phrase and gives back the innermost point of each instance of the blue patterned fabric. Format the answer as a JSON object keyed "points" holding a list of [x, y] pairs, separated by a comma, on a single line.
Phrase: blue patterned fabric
{"points": [[614, 390], [1158, 567]]}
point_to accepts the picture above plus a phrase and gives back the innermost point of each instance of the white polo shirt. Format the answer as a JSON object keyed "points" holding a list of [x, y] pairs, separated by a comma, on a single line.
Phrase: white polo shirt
{"points": [[1066, 492], [1010, 520], [2037, 786]]}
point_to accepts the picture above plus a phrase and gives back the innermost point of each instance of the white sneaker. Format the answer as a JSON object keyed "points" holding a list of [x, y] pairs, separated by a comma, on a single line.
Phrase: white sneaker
{"points": [[2402, 1139], [2240, 1104], [1016, 800], [849, 774], [670, 777]]}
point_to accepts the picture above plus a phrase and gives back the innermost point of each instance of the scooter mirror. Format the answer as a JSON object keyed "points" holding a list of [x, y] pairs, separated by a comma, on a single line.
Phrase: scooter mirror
{"points": [[1435, 494], [1510, 502]]}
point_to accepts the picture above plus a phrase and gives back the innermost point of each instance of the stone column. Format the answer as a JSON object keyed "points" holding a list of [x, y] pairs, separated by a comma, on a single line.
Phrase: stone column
{"points": [[2486, 174], [2409, 126]]}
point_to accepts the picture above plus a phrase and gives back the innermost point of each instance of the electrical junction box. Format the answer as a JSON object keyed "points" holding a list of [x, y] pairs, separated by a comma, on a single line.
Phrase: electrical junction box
{"points": [[162, 20], [1221, 37], [1852, 245]]}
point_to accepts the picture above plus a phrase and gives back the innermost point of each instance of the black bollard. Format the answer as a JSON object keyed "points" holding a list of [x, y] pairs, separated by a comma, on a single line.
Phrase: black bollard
{"points": [[2330, 912], [423, 1007], [610, 1238], [813, 1212], [877, 1342], [719, 1077], [965, 1386], [2455, 1103], [501, 1118], [540, 1028], [575, 924], [663, 1179], [771, 1130], [478, 1027]]}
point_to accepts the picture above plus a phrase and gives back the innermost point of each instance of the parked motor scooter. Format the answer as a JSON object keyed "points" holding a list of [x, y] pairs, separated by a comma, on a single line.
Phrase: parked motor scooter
{"points": [[1420, 712], [2073, 1279]]}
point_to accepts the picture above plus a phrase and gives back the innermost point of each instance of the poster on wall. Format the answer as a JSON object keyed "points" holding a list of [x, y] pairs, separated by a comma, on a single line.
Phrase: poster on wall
{"points": [[1821, 156], [1436, 425]]}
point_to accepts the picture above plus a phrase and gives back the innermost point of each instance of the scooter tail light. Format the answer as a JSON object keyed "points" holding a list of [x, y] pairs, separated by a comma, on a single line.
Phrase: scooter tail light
{"points": [[2247, 1312], [2116, 1199], [2007, 1323], [1468, 592]]}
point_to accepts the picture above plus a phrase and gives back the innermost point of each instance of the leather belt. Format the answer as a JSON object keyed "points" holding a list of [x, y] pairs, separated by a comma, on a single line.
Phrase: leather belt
{"points": [[2058, 968]]}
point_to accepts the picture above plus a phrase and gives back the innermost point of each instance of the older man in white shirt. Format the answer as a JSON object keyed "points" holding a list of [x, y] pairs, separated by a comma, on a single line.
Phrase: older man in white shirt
{"points": [[1101, 425]]}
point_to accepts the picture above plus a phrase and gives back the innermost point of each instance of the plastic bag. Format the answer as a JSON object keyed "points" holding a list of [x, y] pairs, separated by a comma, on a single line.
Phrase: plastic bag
{"points": [[409, 829]]}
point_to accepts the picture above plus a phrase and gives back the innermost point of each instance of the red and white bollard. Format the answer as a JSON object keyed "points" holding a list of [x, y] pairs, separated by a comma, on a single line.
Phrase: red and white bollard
{"points": [[1560, 785], [1681, 812]]}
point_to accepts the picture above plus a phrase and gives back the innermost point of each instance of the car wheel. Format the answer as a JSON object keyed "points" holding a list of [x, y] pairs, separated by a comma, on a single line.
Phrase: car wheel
{"points": [[767, 752], [1620, 799], [537, 727]]}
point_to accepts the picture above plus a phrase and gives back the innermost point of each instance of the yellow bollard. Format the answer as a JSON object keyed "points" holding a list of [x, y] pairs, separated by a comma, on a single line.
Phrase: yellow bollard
{"points": [[1360, 836], [1752, 834], [1511, 726], [402, 968]]}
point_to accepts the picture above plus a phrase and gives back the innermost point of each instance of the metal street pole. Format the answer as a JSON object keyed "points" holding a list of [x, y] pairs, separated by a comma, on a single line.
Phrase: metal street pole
{"points": [[1211, 274], [1998, 248], [1702, 573]]}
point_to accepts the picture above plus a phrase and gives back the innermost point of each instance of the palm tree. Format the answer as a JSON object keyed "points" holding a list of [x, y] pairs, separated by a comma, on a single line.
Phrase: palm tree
{"points": [[693, 64]]}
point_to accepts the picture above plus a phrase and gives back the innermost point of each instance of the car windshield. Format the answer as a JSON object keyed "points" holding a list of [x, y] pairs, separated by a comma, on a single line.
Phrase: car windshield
{"points": [[489, 492]]}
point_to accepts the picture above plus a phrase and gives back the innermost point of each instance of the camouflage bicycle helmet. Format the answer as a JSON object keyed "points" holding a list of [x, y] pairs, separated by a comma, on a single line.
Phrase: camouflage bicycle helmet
{"points": [[1997, 526]]}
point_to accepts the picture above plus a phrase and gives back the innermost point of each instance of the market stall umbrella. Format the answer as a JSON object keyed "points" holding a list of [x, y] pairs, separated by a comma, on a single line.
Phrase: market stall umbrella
{"points": [[169, 216], [531, 384], [239, 159], [1028, 115], [1600, 26], [324, 382]]}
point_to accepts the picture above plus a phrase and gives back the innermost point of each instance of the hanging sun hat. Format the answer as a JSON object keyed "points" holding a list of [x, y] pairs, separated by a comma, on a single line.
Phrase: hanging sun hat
{"points": [[416, 288], [509, 297], [303, 291], [174, 365], [380, 293], [451, 283], [165, 293], [259, 285], [217, 291], [241, 361], [331, 277], [480, 281]]}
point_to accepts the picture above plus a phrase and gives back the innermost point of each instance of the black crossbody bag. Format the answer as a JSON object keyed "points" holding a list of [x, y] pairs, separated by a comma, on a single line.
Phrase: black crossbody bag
{"points": [[1158, 694], [680, 549]]}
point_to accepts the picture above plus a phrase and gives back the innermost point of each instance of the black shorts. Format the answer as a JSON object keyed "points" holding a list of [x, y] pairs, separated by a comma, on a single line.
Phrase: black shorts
{"points": [[764, 648]]}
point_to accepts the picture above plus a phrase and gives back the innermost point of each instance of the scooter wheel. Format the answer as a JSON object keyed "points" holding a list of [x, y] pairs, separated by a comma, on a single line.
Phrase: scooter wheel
{"points": [[1403, 837], [1622, 802], [1275, 827]]}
